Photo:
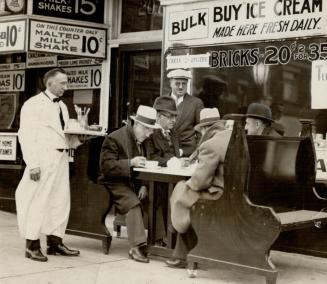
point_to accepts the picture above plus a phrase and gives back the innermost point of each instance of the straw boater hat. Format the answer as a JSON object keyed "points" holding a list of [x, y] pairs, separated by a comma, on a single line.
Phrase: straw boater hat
{"points": [[146, 116], [261, 111], [208, 116], [165, 103], [179, 74]]}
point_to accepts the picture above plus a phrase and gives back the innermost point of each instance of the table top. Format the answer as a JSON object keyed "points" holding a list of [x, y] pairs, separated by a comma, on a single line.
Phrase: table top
{"points": [[185, 172]]}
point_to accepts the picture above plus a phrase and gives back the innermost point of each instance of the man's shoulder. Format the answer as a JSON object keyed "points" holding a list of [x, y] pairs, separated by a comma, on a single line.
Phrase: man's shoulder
{"points": [[119, 132], [220, 138], [193, 99], [35, 100]]}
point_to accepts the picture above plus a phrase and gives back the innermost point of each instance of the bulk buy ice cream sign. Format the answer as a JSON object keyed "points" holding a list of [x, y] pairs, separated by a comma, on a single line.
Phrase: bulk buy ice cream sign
{"points": [[67, 39], [238, 20]]}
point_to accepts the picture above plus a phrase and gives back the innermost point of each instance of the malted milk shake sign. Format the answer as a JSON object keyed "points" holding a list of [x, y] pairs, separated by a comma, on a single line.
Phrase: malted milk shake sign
{"points": [[67, 39], [228, 21]]}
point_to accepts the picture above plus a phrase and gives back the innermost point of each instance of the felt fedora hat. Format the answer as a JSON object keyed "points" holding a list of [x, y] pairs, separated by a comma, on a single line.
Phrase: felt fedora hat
{"points": [[165, 103], [179, 74], [146, 116], [208, 116], [258, 110]]}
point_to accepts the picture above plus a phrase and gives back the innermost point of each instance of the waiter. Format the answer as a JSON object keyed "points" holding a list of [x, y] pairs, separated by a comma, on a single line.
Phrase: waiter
{"points": [[188, 107], [43, 194]]}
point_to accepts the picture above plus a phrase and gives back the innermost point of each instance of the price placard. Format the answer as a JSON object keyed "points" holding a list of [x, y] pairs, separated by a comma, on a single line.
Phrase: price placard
{"points": [[67, 39], [12, 81], [87, 77], [12, 36], [83, 10]]}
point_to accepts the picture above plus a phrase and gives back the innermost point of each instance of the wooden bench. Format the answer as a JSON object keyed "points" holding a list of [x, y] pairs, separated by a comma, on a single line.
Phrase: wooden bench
{"points": [[268, 189]]}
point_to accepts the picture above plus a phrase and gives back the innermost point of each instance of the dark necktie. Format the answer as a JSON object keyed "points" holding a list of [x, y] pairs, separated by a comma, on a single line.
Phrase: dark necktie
{"points": [[62, 122]]}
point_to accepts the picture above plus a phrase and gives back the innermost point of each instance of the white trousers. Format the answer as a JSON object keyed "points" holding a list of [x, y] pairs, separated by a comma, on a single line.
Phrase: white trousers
{"points": [[43, 206]]}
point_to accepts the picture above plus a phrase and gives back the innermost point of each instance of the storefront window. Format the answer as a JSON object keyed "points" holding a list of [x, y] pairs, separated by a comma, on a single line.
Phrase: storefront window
{"points": [[141, 15], [276, 73], [141, 81]]}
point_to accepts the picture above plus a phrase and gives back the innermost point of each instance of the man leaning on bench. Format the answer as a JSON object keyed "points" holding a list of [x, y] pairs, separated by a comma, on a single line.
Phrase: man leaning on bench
{"points": [[265, 184]]}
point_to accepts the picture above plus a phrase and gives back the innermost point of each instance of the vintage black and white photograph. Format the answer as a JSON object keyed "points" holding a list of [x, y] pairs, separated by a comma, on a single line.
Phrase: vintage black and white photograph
{"points": [[163, 141]]}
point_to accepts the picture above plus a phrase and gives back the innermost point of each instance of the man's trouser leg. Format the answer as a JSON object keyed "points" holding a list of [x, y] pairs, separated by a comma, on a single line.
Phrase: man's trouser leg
{"points": [[135, 227], [33, 244], [184, 243]]}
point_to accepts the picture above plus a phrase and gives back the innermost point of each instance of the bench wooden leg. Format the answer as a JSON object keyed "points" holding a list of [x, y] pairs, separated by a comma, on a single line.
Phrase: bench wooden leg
{"points": [[106, 244], [271, 278]]}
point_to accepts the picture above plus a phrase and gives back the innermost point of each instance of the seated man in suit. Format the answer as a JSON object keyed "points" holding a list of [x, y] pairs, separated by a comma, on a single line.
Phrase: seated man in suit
{"points": [[259, 121], [122, 150], [207, 181], [207, 128], [161, 146]]}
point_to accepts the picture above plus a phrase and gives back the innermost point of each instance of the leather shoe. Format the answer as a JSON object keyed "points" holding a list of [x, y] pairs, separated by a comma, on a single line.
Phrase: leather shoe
{"points": [[35, 255], [176, 263], [62, 250], [138, 255]]}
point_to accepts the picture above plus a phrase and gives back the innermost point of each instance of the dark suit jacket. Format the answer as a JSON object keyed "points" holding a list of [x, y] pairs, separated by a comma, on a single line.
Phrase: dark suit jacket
{"points": [[158, 149], [118, 149], [188, 117]]}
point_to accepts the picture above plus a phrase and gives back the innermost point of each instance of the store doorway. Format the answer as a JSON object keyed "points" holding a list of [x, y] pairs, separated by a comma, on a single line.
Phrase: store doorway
{"points": [[138, 81]]}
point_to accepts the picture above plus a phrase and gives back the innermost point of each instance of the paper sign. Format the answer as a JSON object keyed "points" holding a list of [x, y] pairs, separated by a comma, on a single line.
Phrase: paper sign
{"points": [[319, 84], [86, 77], [12, 36], [12, 81], [321, 154], [8, 147], [40, 60]]}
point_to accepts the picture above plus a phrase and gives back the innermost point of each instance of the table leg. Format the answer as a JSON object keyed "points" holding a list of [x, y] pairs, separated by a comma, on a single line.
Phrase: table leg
{"points": [[170, 229], [151, 215]]}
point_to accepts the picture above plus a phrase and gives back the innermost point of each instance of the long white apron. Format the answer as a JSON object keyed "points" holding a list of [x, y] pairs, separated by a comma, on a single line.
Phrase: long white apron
{"points": [[43, 206]]}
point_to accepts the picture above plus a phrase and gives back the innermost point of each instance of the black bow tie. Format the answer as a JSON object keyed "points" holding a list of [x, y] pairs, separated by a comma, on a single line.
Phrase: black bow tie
{"points": [[56, 100]]}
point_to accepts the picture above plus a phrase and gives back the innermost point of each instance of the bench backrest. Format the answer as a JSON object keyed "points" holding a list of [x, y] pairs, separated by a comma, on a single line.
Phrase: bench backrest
{"points": [[282, 170]]}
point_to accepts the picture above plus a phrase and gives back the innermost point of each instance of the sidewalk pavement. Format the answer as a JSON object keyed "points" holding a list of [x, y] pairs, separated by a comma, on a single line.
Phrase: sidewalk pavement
{"points": [[93, 267]]}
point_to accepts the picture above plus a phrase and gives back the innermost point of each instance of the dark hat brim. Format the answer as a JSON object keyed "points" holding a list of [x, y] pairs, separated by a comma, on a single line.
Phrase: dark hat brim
{"points": [[259, 117]]}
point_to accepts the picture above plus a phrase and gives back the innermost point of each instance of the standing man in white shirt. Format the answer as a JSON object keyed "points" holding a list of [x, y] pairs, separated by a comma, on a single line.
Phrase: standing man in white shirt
{"points": [[43, 194]]}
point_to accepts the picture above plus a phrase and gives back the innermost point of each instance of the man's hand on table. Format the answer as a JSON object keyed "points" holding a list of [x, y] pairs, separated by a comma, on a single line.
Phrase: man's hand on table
{"points": [[143, 192], [138, 162], [35, 173]]}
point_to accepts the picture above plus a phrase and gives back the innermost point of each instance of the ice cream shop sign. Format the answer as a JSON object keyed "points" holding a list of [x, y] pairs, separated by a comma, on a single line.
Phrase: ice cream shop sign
{"points": [[238, 20]]}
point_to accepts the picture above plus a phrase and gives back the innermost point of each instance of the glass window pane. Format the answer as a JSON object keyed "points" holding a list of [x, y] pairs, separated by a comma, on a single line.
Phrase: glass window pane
{"points": [[141, 15]]}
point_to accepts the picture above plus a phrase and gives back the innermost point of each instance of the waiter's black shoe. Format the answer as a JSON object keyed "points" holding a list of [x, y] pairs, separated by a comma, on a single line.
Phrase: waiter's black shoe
{"points": [[62, 250], [138, 255], [36, 255], [176, 263]]}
